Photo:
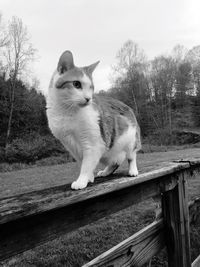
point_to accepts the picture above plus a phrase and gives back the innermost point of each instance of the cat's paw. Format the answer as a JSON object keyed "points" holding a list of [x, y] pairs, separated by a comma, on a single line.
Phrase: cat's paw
{"points": [[102, 173], [133, 172], [79, 184], [91, 179], [82, 182]]}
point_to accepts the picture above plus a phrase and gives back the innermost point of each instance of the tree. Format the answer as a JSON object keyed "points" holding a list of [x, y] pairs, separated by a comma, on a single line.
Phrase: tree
{"points": [[129, 80], [129, 56], [193, 57], [3, 35], [163, 79], [18, 53], [183, 83], [179, 53]]}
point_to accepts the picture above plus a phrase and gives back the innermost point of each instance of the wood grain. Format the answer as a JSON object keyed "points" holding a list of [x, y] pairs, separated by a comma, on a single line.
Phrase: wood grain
{"points": [[196, 262], [135, 250], [29, 231], [176, 220], [30, 219], [36, 202]]}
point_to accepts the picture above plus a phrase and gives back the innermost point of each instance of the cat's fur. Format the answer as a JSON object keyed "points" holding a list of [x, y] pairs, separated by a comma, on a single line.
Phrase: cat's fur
{"points": [[91, 127]]}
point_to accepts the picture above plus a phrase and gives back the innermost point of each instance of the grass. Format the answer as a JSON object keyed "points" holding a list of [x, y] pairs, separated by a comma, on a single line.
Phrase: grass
{"points": [[88, 242], [53, 160], [65, 158]]}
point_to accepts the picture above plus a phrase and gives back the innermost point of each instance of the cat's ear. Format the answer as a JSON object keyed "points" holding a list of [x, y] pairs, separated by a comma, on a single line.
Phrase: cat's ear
{"points": [[66, 62], [92, 67]]}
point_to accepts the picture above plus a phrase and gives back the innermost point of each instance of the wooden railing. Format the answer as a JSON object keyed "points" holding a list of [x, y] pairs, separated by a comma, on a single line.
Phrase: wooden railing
{"points": [[30, 219]]}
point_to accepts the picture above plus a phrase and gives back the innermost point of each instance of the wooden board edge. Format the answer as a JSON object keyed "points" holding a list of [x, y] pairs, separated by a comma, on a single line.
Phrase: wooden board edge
{"points": [[148, 239], [196, 262]]}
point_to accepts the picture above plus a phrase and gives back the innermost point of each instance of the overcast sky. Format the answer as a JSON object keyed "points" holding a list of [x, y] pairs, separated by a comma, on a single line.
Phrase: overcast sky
{"points": [[96, 29]]}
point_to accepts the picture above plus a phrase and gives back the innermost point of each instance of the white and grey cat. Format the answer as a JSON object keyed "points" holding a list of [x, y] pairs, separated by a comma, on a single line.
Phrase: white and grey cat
{"points": [[91, 127]]}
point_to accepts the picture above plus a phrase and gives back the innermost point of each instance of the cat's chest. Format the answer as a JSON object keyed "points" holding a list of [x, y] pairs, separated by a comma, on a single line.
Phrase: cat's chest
{"points": [[75, 127]]}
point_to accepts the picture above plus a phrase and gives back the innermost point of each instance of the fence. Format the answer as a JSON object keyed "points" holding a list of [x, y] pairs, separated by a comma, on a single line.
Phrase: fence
{"points": [[30, 219]]}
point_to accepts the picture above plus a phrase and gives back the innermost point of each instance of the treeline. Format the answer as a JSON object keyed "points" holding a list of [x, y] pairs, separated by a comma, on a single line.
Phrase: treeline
{"points": [[30, 138], [164, 92], [28, 111], [24, 134]]}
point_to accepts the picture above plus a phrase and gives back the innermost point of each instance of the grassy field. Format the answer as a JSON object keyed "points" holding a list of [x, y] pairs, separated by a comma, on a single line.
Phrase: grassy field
{"points": [[83, 245]]}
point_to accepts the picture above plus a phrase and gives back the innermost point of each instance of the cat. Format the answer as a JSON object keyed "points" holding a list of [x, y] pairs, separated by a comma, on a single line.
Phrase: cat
{"points": [[93, 128]]}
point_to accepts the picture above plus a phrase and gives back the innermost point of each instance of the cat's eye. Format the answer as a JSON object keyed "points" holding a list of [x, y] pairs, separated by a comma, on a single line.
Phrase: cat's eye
{"points": [[77, 84]]}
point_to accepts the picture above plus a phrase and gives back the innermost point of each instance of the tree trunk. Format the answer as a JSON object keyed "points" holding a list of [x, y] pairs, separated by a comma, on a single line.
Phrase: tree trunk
{"points": [[136, 106], [12, 86], [170, 118]]}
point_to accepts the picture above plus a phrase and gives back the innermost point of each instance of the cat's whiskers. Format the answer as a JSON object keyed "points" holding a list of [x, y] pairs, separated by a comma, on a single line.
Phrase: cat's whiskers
{"points": [[66, 104]]}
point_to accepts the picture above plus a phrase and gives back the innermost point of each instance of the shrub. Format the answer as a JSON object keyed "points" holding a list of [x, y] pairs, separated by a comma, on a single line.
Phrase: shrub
{"points": [[162, 137], [2, 154], [33, 147]]}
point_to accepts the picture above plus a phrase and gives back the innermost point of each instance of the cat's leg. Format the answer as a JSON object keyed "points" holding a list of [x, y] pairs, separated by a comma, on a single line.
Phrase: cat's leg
{"points": [[74, 153], [133, 170], [90, 160], [108, 170]]}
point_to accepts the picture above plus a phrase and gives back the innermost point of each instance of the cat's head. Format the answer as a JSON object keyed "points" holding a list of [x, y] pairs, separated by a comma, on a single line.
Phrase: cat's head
{"points": [[73, 85]]}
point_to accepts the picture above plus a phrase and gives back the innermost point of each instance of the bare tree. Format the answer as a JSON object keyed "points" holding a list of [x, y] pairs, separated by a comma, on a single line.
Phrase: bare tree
{"points": [[18, 53], [129, 56], [193, 56], [128, 72], [3, 35], [179, 53], [163, 81]]}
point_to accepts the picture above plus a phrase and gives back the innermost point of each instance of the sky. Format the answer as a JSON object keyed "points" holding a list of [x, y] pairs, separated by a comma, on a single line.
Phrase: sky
{"points": [[96, 29]]}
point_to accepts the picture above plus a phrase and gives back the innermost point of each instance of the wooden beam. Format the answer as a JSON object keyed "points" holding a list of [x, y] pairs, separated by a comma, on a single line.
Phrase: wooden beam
{"points": [[30, 219], [196, 262], [120, 254], [34, 218], [176, 221], [37, 202], [135, 250]]}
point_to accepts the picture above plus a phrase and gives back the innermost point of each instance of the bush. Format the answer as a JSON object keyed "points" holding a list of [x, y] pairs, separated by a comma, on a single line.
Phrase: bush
{"points": [[162, 137], [195, 241], [2, 154], [33, 147]]}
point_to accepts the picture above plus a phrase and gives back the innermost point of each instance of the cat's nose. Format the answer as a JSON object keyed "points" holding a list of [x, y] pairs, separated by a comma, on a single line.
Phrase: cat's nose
{"points": [[87, 99]]}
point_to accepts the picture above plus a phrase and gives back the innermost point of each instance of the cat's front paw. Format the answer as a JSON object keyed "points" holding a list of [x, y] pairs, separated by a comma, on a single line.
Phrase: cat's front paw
{"points": [[101, 173], [133, 172], [82, 182], [79, 185]]}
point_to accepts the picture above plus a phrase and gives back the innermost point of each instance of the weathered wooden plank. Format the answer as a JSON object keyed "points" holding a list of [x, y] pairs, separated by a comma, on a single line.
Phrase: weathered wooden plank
{"points": [[183, 198], [118, 255], [28, 220], [191, 161], [29, 231], [37, 202], [25, 233], [135, 250], [196, 262], [176, 220]]}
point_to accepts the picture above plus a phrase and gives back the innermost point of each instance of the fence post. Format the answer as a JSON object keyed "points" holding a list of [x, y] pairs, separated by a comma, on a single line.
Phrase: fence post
{"points": [[176, 220]]}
